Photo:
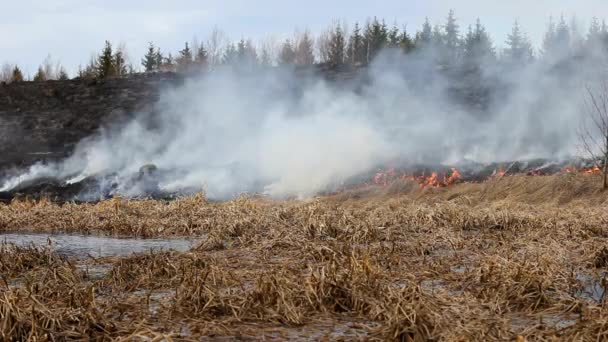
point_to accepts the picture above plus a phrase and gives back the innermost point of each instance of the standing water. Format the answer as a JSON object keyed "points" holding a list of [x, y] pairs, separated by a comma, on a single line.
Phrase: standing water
{"points": [[96, 246]]}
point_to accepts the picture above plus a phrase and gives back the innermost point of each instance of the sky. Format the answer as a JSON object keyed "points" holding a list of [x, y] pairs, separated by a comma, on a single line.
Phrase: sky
{"points": [[72, 30]]}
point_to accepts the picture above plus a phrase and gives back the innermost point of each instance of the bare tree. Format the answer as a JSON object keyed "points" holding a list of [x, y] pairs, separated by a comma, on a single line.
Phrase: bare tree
{"points": [[215, 46], [594, 130]]}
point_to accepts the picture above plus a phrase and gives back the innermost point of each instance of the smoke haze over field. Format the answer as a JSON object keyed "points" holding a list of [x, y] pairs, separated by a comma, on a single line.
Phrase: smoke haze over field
{"points": [[285, 133]]}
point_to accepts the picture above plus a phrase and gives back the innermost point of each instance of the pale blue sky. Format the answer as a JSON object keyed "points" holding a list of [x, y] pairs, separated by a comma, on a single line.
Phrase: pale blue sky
{"points": [[70, 30]]}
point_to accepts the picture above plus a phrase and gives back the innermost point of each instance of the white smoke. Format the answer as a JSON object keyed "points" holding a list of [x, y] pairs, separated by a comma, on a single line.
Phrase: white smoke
{"points": [[287, 133]]}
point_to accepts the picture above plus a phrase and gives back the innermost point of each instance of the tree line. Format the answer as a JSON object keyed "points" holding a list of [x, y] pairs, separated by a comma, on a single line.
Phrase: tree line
{"points": [[451, 46]]}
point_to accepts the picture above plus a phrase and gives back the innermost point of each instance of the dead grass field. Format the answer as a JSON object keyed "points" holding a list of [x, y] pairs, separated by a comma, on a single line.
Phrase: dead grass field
{"points": [[517, 258]]}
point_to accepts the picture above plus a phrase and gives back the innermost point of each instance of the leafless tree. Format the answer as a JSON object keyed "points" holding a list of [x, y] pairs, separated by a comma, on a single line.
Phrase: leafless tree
{"points": [[594, 129], [215, 46]]}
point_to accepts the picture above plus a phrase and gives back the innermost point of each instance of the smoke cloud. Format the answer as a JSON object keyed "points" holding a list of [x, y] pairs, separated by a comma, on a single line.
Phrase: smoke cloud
{"points": [[288, 133]]}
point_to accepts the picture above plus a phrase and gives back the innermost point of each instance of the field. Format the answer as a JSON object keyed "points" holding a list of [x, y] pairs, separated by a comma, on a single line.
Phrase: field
{"points": [[516, 258]]}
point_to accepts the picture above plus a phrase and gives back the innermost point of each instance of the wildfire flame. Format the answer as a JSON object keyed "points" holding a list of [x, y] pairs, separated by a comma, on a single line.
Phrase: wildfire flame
{"points": [[384, 178]]}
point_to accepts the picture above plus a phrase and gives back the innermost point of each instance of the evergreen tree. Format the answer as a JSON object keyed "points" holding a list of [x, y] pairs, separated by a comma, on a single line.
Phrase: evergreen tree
{"points": [[105, 63], [287, 54], [40, 75], [449, 44], [424, 37], [393, 37], [17, 75], [452, 35], [406, 43], [337, 46], [304, 50], [150, 60], [376, 37], [230, 56], [519, 49], [478, 45], [355, 52], [265, 59], [550, 44], [201, 59], [595, 31], [63, 75], [184, 61], [158, 59], [120, 66]]}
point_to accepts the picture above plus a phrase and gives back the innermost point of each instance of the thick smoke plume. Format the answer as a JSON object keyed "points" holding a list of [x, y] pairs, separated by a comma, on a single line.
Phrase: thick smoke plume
{"points": [[289, 133]]}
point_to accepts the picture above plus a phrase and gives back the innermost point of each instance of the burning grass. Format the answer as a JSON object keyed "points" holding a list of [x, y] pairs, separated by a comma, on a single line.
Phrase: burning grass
{"points": [[485, 261]]}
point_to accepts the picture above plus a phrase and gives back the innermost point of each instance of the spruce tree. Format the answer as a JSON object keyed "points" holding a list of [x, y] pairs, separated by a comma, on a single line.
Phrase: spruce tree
{"points": [[287, 54], [40, 75], [393, 37], [519, 49], [355, 51], [406, 43], [230, 56], [376, 38], [304, 50], [17, 75], [63, 75], [184, 61], [201, 59], [424, 37], [450, 51], [337, 46], [120, 66], [478, 45], [104, 67], [150, 60], [158, 59]]}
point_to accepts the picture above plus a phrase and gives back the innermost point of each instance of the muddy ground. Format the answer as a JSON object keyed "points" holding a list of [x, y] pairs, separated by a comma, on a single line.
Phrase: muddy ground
{"points": [[503, 260]]}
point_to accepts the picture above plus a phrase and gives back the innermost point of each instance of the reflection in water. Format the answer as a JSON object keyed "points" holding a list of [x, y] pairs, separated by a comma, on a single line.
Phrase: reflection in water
{"points": [[96, 246]]}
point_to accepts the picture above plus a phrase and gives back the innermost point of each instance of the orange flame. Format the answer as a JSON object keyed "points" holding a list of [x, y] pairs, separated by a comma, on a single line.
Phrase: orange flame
{"points": [[595, 169]]}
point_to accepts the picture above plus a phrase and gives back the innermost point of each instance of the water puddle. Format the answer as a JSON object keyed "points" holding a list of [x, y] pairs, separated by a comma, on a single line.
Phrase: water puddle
{"points": [[591, 287], [96, 246]]}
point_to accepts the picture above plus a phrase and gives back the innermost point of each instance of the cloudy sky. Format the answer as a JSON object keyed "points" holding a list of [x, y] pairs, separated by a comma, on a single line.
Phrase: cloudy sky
{"points": [[72, 30]]}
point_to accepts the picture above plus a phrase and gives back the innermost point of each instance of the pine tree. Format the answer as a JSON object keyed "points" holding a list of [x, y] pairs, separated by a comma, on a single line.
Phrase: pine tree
{"points": [[287, 54], [63, 74], [120, 66], [40, 75], [17, 75], [478, 45], [594, 30], [355, 52], [519, 49], [105, 63], [265, 59], [450, 47], [550, 43], [376, 38], [337, 46], [304, 50], [406, 43], [201, 59], [230, 56], [158, 59], [184, 61], [424, 37], [150, 60], [393, 37]]}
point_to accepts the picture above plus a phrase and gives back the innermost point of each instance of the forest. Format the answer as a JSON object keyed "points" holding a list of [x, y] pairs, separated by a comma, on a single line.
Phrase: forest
{"points": [[455, 46]]}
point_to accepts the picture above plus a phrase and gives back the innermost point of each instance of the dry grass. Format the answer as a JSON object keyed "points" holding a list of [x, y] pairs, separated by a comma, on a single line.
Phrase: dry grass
{"points": [[470, 262]]}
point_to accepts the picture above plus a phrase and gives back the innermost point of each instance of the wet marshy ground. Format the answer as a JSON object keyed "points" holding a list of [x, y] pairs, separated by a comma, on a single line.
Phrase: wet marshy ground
{"points": [[460, 263], [82, 246]]}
